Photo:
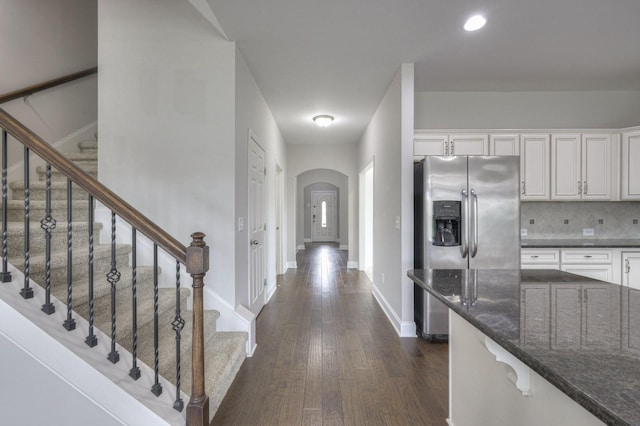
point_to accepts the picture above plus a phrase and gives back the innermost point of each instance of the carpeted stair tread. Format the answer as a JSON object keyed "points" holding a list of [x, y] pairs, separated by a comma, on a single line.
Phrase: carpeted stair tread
{"points": [[82, 156], [15, 210], [101, 287], [37, 191], [80, 256], [15, 237], [224, 353], [124, 312], [167, 342], [101, 263], [88, 146]]}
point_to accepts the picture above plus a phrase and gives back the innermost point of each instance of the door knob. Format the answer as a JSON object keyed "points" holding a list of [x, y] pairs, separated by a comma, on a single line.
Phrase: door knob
{"points": [[254, 242]]}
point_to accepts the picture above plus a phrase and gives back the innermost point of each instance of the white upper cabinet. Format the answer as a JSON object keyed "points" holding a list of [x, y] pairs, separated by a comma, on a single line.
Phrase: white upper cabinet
{"points": [[504, 144], [630, 166], [580, 167], [596, 167], [468, 144], [425, 143], [430, 144], [534, 166], [566, 177]]}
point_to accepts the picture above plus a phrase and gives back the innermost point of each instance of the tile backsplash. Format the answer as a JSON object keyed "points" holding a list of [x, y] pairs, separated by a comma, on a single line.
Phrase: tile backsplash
{"points": [[568, 219]]}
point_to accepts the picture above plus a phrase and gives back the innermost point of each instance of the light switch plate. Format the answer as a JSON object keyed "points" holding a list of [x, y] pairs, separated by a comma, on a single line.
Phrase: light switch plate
{"points": [[240, 224], [587, 232], [397, 222], [523, 232]]}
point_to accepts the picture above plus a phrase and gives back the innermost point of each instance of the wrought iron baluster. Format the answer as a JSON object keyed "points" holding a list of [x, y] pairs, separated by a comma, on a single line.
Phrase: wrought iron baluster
{"points": [[5, 275], [69, 323], [91, 339], [48, 224], [178, 325], [113, 277], [26, 291], [135, 371], [156, 389]]}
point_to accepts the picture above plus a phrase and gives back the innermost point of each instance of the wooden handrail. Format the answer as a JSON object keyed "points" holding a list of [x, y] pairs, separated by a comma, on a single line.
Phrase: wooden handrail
{"points": [[21, 93], [93, 187]]}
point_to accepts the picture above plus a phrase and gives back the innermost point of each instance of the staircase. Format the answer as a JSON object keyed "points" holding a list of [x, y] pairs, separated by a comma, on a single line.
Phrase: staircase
{"points": [[224, 351]]}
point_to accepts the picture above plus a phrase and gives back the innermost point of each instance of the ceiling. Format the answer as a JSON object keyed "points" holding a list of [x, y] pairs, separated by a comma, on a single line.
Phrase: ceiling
{"points": [[338, 57]]}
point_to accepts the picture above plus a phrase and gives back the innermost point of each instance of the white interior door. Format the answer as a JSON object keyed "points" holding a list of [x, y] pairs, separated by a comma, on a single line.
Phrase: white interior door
{"points": [[257, 226], [324, 216]]}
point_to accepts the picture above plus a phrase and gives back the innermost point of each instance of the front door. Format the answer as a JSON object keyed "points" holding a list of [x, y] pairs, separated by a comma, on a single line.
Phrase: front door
{"points": [[324, 216], [257, 226]]}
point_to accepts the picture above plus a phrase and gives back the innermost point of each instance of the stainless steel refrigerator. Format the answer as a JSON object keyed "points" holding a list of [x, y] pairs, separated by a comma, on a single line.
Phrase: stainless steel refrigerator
{"points": [[467, 216]]}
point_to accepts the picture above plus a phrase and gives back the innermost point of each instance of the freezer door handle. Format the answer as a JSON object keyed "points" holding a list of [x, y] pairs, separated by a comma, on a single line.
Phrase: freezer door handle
{"points": [[465, 212], [474, 205]]}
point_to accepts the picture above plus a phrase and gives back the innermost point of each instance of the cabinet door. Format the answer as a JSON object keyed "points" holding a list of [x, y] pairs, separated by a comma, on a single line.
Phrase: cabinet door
{"points": [[534, 314], [534, 166], [468, 144], [430, 144], [504, 144], [597, 272], [566, 316], [566, 176], [596, 164], [631, 269], [630, 169]]}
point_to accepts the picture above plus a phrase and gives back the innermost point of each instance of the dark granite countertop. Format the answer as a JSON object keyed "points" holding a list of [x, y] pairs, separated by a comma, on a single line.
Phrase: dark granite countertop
{"points": [[591, 351], [580, 243]]}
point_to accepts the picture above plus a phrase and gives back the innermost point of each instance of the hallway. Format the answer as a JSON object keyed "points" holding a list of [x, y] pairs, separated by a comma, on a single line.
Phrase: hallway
{"points": [[327, 355]]}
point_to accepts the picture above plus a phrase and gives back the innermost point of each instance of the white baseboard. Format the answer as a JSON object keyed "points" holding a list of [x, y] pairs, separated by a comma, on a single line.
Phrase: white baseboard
{"points": [[352, 264], [292, 265], [300, 247], [388, 310], [308, 240], [343, 247], [407, 329], [248, 320]]}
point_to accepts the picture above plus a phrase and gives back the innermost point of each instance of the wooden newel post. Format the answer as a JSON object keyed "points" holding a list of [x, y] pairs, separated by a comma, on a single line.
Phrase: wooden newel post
{"points": [[197, 266]]}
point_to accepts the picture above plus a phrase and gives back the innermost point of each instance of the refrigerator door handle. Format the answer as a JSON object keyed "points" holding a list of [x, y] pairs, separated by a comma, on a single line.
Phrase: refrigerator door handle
{"points": [[465, 212], [474, 203]]}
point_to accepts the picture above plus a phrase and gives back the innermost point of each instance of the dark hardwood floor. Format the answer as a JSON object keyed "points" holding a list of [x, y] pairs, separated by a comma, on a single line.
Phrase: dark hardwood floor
{"points": [[327, 355]]}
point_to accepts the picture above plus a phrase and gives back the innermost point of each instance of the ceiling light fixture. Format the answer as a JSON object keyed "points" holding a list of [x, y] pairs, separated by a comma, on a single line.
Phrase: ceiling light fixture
{"points": [[323, 120], [475, 23]]}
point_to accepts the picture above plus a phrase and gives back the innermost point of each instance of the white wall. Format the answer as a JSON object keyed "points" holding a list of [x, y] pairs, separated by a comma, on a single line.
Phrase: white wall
{"points": [[252, 112], [40, 41], [522, 110], [166, 123], [303, 197], [388, 139], [339, 157]]}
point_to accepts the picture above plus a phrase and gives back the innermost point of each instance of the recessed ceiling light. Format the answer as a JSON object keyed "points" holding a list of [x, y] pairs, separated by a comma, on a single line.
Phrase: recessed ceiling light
{"points": [[323, 120], [475, 23]]}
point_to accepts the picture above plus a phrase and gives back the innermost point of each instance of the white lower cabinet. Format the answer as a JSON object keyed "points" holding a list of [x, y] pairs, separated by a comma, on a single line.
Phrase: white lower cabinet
{"points": [[597, 272], [631, 269], [592, 263], [539, 259]]}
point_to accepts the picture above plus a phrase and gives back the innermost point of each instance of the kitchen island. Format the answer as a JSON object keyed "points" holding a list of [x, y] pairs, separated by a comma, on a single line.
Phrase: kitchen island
{"points": [[533, 347]]}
